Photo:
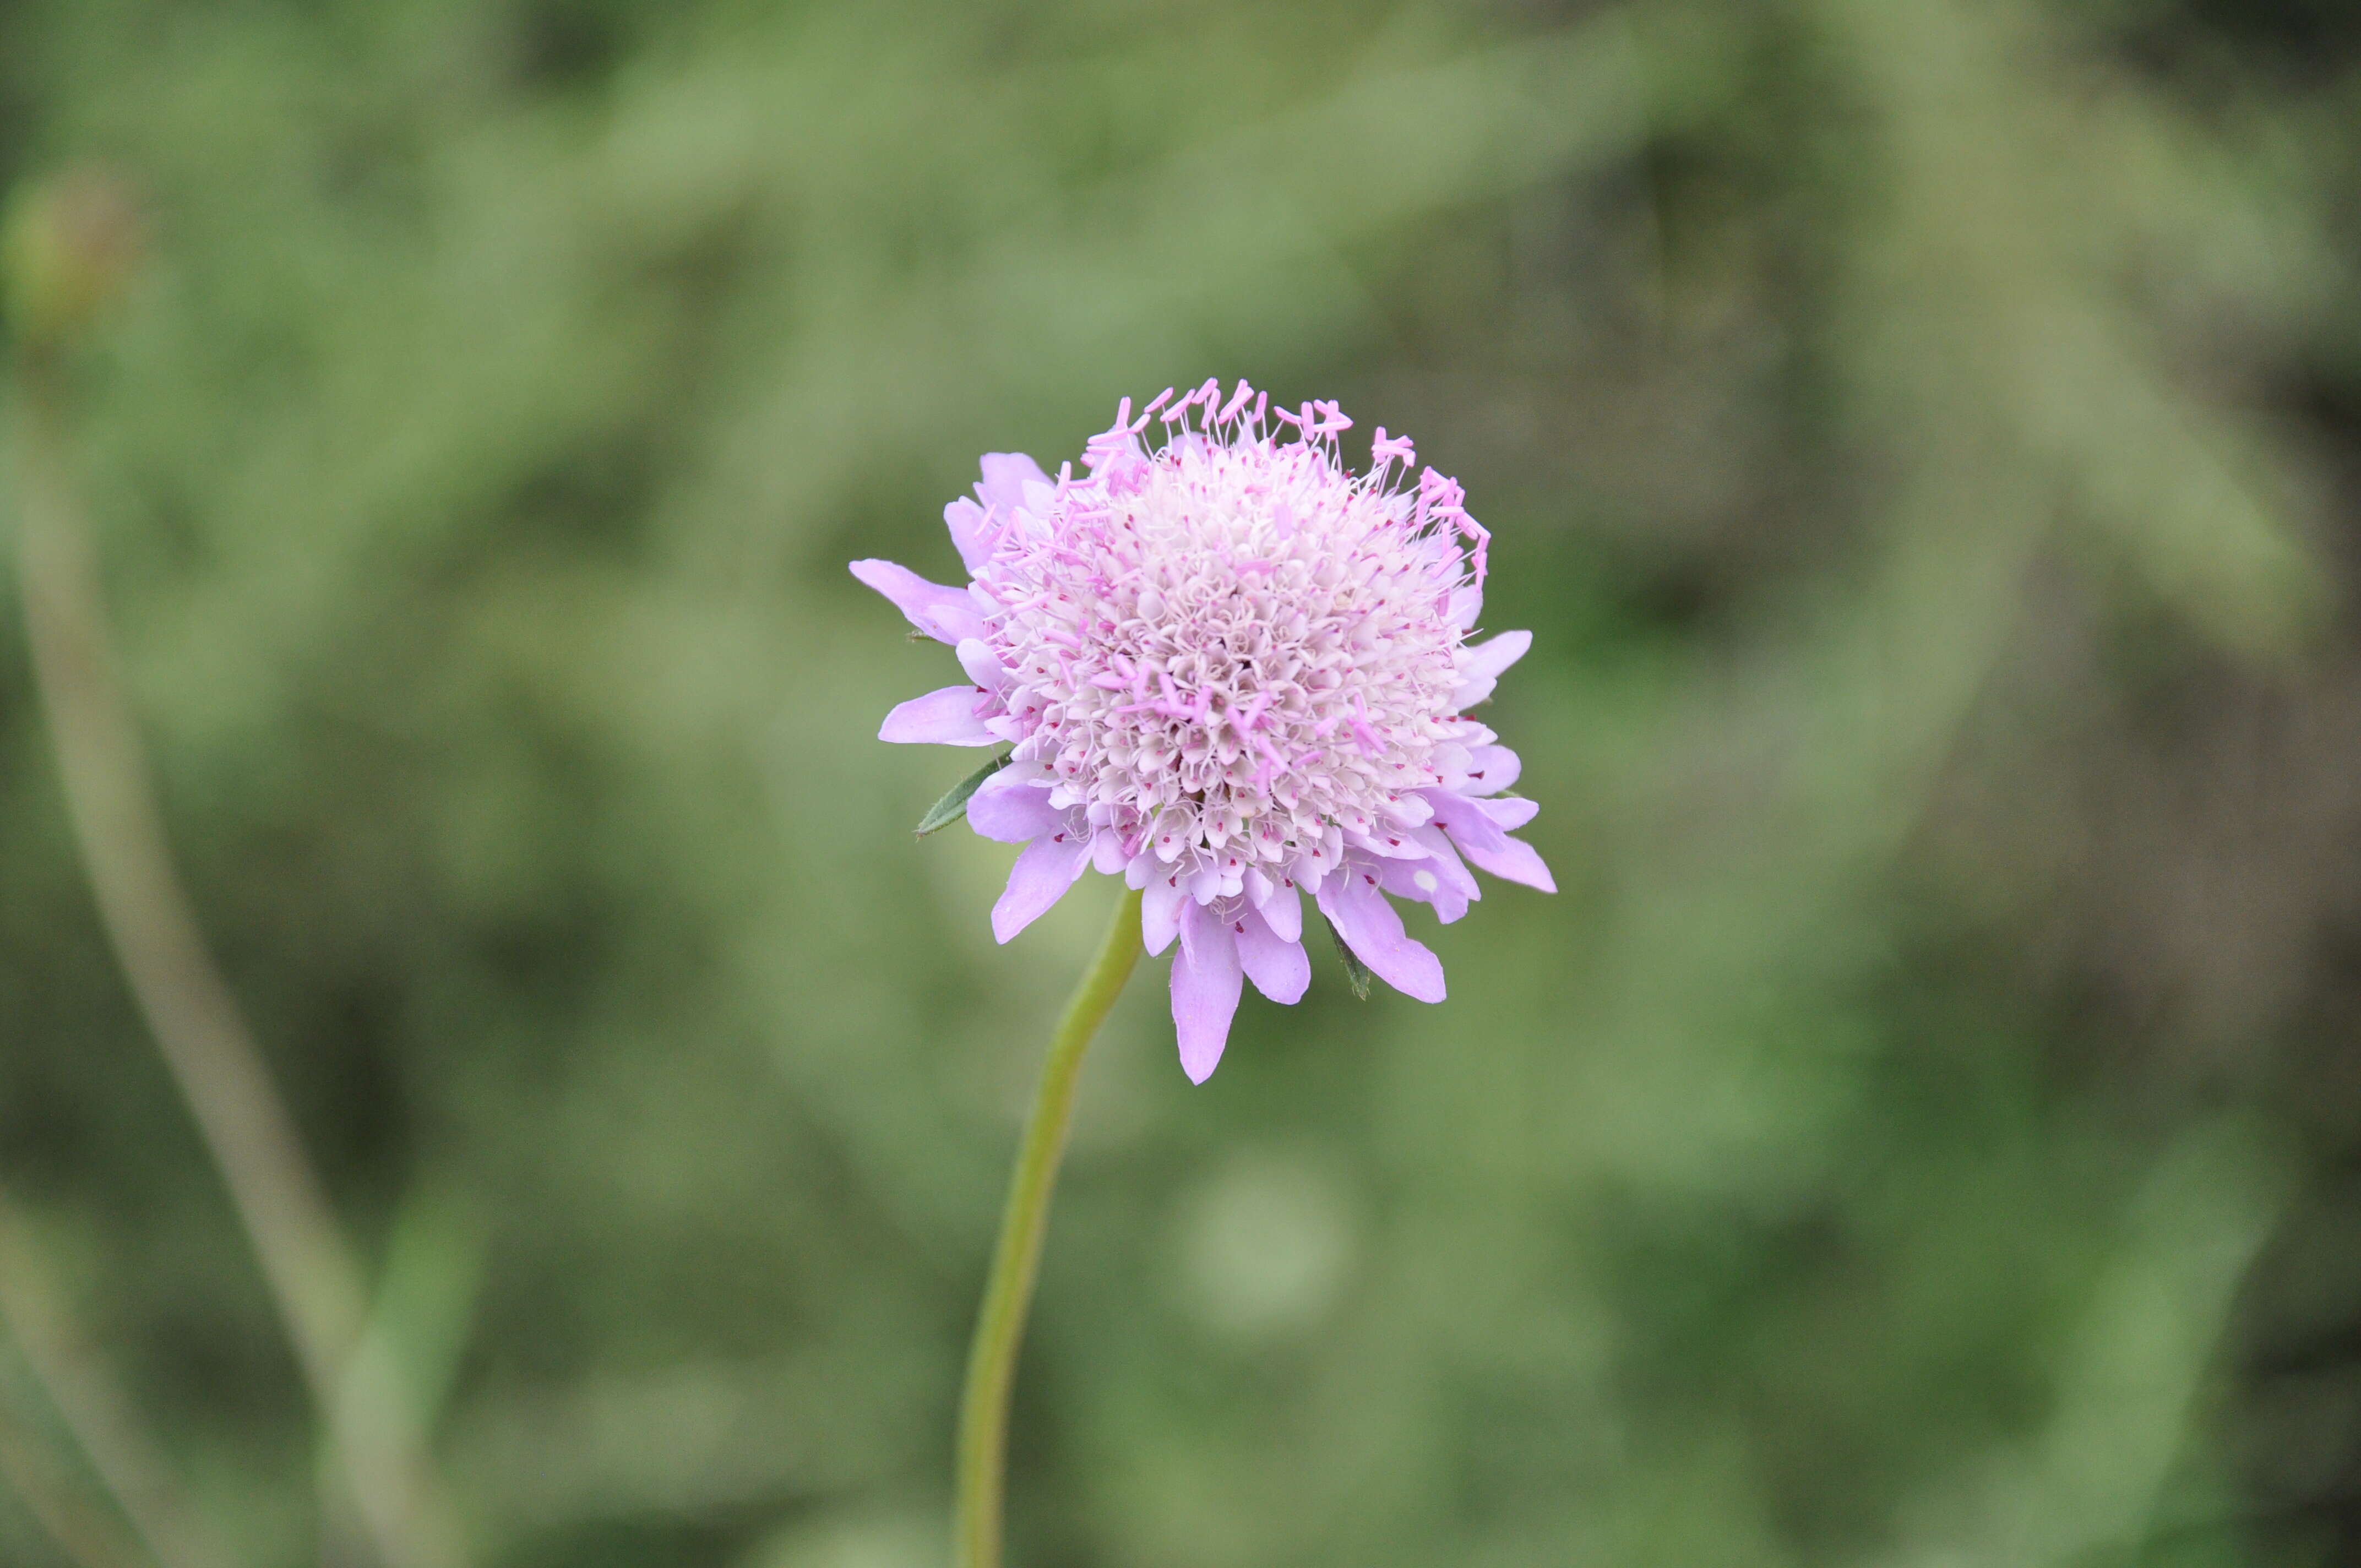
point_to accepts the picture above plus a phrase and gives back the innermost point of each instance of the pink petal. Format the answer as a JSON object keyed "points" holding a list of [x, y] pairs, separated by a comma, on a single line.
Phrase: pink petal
{"points": [[1006, 475], [945, 717], [1444, 861], [1373, 929], [1283, 911], [1511, 814], [1042, 874], [965, 521], [1393, 844], [1276, 964], [1450, 762], [1481, 839], [1492, 658], [1429, 882], [1513, 859], [1481, 671], [1458, 816], [1159, 910], [1467, 604], [1495, 768], [945, 614], [1013, 809], [1206, 980], [982, 665]]}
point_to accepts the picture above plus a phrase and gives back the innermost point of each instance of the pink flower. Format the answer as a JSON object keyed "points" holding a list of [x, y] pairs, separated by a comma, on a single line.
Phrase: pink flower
{"points": [[1232, 672]]}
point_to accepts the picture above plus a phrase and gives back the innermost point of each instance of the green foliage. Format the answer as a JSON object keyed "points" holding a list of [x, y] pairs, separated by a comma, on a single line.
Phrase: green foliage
{"points": [[1356, 973], [952, 808], [1919, 433]]}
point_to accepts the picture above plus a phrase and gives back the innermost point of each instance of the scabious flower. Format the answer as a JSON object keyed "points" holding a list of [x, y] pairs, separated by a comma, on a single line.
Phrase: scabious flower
{"points": [[1232, 672]]}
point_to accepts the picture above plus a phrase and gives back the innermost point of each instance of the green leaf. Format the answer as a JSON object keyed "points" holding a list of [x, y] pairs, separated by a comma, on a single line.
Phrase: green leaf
{"points": [[953, 806], [1355, 969]]}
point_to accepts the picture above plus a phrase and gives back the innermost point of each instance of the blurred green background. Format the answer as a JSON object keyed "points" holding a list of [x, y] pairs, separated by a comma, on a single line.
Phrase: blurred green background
{"points": [[1925, 436]]}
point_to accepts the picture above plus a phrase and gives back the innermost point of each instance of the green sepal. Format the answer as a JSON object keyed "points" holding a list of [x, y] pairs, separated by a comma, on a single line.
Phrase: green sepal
{"points": [[1355, 969], [953, 806]]}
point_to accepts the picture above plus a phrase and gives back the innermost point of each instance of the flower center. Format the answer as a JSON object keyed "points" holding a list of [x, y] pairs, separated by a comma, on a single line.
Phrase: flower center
{"points": [[1233, 650]]}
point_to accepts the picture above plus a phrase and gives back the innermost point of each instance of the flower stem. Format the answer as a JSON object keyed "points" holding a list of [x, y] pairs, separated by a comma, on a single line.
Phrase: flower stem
{"points": [[1000, 1327], [93, 1406], [314, 1279], [39, 1477]]}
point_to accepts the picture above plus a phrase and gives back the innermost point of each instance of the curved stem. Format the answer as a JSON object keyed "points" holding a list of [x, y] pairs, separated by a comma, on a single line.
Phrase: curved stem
{"points": [[1000, 1327], [91, 1538], [94, 1407], [313, 1277]]}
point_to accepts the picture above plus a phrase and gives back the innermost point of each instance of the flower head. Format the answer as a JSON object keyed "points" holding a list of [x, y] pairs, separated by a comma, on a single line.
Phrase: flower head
{"points": [[1231, 672]]}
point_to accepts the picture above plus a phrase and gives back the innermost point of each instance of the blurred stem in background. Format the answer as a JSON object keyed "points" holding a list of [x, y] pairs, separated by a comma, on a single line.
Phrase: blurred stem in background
{"points": [[67, 248], [94, 1407], [33, 1472], [1000, 1326]]}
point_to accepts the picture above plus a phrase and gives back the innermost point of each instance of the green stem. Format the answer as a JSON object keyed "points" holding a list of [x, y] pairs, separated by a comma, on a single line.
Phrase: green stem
{"points": [[88, 1536], [313, 1277], [1000, 1328], [92, 1405]]}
